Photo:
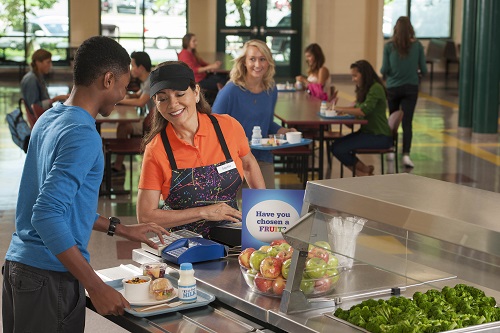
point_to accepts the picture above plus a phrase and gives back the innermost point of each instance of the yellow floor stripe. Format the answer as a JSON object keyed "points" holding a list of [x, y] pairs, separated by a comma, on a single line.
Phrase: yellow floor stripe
{"points": [[439, 101]]}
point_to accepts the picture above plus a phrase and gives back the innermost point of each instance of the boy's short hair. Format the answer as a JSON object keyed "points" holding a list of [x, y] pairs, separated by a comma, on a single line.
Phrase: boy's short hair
{"points": [[142, 59], [96, 56]]}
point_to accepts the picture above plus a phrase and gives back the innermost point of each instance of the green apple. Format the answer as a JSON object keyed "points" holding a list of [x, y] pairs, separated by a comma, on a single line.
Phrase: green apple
{"points": [[333, 264], [315, 268], [285, 268], [323, 244], [285, 247], [256, 258], [307, 286], [264, 248], [273, 250]]}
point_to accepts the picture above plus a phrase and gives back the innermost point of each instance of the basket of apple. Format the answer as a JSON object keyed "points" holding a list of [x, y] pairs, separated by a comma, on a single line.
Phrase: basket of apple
{"points": [[265, 270]]}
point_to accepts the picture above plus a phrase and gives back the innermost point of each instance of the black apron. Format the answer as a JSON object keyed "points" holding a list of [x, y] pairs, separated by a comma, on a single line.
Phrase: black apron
{"points": [[202, 186]]}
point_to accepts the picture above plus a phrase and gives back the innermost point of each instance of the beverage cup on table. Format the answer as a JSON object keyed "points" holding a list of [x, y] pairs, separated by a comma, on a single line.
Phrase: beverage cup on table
{"points": [[294, 137]]}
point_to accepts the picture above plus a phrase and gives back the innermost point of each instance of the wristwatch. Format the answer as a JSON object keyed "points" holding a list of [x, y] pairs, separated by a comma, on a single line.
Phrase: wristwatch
{"points": [[113, 221]]}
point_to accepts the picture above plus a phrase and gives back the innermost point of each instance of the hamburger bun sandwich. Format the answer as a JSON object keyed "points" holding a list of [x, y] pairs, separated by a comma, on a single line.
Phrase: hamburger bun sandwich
{"points": [[161, 289]]}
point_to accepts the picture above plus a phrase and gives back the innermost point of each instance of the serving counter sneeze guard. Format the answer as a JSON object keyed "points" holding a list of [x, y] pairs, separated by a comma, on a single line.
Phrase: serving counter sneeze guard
{"points": [[396, 234]]}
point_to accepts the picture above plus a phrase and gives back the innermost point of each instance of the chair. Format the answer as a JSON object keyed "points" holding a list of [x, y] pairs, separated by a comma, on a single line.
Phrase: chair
{"points": [[295, 159], [37, 110], [128, 147], [394, 121], [23, 106]]}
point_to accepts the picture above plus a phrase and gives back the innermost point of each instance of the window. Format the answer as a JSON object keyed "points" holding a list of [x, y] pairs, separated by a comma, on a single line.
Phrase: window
{"points": [[430, 18], [153, 26], [38, 25]]}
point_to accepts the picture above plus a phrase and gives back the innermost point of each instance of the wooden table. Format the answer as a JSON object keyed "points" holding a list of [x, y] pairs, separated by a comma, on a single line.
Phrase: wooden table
{"points": [[299, 108], [225, 59], [121, 114]]}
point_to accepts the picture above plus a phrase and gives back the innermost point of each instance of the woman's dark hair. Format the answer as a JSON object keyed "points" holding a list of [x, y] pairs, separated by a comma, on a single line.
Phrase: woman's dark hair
{"points": [[368, 78], [39, 55], [96, 56], [158, 123], [403, 35], [319, 58], [185, 44]]}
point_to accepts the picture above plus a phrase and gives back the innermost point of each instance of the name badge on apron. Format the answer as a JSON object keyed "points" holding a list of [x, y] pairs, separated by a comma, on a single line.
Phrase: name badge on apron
{"points": [[226, 167]]}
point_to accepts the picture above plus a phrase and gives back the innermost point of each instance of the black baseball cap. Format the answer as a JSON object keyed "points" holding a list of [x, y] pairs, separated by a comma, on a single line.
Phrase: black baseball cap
{"points": [[176, 76]]}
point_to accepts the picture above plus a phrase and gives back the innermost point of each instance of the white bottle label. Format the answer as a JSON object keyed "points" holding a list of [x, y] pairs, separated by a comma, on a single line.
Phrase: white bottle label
{"points": [[187, 294]]}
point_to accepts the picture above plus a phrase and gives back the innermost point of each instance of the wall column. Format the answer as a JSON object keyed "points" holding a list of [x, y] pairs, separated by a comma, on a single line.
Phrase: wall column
{"points": [[487, 71]]}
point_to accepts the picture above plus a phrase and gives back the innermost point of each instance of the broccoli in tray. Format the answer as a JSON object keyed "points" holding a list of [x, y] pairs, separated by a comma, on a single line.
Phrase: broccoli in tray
{"points": [[429, 312]]}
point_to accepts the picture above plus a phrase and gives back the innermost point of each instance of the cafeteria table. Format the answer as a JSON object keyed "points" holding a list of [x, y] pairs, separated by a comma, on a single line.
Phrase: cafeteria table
{"points": [[121, 114], [298, 108]]}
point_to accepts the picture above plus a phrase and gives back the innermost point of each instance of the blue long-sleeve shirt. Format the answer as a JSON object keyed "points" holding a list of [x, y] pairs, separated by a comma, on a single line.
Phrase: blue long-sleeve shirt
{"points": [[58, 195], [250, 110]]}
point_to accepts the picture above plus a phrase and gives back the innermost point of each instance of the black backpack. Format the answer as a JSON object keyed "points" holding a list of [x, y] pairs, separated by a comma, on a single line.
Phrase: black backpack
{"points": [[18, 127]]}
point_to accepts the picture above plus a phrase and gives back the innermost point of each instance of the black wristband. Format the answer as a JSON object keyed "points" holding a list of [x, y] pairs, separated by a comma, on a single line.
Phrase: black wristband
{"points": [[113, 221]]}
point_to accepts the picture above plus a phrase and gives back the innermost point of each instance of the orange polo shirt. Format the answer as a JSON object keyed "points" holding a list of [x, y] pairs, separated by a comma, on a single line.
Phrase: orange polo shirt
{"points": [[156, 172]]}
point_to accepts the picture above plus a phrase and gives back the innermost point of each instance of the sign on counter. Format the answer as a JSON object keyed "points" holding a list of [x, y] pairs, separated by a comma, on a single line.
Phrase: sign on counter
{"points": [[267, 213]]}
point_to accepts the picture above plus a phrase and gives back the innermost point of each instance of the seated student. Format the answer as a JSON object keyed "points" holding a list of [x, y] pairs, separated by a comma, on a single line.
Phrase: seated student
{"points": [[140, 69], [207, 81], [33, 85], [317, 72], [371, 104]]}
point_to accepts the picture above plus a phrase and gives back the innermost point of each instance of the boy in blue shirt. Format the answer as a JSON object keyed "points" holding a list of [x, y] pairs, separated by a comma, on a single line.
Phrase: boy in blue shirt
{"points": [[47, 265]]}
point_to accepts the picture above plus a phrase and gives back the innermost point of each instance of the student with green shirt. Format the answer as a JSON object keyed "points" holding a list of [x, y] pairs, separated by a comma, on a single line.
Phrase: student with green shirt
{"points": [[371, 104], [403, 57]]}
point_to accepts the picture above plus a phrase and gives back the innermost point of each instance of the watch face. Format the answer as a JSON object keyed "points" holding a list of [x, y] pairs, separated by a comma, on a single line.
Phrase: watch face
{"points": [[114, 220]]}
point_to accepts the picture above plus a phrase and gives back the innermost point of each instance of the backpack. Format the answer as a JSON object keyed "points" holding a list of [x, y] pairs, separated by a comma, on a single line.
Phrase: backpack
{"points": [[19, 129]]}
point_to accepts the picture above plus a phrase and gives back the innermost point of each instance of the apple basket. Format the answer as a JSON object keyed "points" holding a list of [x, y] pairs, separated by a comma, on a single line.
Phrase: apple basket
{"points": [[311, 287]]}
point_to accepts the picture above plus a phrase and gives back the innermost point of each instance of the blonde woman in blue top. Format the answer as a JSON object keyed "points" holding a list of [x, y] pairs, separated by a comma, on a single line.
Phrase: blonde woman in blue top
{"points": [[403, 57], [250, 97]]}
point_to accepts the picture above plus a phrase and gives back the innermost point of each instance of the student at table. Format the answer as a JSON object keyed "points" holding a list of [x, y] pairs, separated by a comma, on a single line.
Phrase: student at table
{"points": [[317, 72], [371, 104], [33, 86], [193, 160], [47, 270], [140, 69], [250, 96], [202, 70]]}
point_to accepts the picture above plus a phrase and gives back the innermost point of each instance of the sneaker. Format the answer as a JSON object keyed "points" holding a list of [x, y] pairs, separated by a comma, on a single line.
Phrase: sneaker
{"points": [[407, 161], [389, 157]]}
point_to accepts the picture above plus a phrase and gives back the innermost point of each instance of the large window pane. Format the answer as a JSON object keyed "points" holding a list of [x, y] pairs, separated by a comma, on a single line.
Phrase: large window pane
{"points": [[39, 25], [153, 26], [238, 16], [430, 18]]}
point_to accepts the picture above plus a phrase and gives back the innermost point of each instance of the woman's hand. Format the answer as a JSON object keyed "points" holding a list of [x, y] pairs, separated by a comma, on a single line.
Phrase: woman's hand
{"points": [[222, 212]]}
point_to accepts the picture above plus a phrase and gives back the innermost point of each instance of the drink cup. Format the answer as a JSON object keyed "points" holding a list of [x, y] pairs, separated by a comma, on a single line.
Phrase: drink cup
{"points": [[294, 137]]}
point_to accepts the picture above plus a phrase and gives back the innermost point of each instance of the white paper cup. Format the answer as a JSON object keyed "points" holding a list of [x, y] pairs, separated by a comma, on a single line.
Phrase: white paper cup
{"points": [[135, 292], [293, 137], [330, 113]]}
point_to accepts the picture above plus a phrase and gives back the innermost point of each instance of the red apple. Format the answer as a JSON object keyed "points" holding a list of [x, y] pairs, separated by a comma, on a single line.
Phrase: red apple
{"points": [[278, 242], [263, 284], [284, 255], [270, 267], [256, 258], [319, 252], [244, 257], [323, 285], [279, 285]]}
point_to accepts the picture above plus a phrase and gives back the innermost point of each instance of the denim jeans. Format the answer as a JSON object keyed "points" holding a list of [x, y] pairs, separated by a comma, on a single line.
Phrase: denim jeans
{"points": [[37, 300], [343, 147], [404, 98]]}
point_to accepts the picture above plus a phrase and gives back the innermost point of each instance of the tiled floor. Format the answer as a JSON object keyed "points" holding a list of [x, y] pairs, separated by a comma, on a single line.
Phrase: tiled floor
{"points": [[437, 153]]}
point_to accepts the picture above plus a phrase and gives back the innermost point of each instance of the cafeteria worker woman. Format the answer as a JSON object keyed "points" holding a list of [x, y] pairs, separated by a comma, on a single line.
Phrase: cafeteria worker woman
{"points": [[194, 160]]}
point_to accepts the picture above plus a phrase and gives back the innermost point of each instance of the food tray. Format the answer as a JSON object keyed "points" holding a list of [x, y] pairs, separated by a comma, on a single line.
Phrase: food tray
{"points": [[204, 298], [348, 116], [303, 142]]}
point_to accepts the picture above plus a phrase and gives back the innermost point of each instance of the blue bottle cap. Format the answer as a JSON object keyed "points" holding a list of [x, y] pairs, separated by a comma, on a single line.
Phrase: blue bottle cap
{"points": [[186, 266]]}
